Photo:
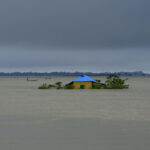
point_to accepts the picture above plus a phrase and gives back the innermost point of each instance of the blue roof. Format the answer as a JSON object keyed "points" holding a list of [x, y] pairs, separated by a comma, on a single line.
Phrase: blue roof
{"points": [[84, 78]]}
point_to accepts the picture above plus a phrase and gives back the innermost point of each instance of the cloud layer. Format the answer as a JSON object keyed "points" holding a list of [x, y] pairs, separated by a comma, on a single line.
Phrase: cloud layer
{"points": [[76, 22], [114, 34]]}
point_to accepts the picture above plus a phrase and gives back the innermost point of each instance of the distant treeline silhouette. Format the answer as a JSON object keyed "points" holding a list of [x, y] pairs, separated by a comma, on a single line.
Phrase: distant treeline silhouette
{"points": [[38, 74]]}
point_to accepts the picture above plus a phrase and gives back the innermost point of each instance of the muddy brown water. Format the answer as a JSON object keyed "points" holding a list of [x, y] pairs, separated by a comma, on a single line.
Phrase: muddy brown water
{"points": [[32, 119]]}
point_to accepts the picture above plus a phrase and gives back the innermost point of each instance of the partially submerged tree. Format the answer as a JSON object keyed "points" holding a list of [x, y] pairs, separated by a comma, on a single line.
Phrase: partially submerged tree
{"points": [[115, 82], [44, 86], [58, 85], [69, 86], [51, 86]]}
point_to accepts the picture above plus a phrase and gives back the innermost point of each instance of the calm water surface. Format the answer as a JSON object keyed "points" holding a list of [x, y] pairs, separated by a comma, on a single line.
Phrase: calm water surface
{"points": [[32, 119]]}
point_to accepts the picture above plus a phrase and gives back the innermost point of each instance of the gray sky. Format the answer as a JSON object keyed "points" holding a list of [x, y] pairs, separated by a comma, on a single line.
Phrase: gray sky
{"points": [[74, 35]]}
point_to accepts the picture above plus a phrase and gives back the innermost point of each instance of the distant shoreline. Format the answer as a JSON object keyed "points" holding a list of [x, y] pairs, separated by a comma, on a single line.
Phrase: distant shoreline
{"points": [[46, 74]]}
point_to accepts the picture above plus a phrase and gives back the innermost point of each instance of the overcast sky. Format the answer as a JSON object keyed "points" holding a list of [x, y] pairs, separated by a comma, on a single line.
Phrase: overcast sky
{"points": [[74, 35]]}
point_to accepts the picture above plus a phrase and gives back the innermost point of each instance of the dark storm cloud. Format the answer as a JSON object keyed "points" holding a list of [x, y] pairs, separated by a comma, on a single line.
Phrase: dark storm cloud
{"points": [[74, 35], [75, 23]]}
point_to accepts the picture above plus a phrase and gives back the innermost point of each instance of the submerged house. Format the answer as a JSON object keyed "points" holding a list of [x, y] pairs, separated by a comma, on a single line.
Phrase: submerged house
{"points": [[85, 82]]}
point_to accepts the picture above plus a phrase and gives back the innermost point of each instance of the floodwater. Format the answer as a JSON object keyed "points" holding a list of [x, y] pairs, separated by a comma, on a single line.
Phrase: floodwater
{"points": [[32, 119]]}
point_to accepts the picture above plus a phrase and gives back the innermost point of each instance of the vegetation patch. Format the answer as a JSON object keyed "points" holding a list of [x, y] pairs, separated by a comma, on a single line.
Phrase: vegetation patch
{"points": [[44, 86], [69, 86], [57, 85], [115, 82]]}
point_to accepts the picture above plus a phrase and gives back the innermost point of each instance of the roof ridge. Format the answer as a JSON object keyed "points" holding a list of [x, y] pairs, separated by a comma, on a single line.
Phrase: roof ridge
{"points": [[84, 78]]}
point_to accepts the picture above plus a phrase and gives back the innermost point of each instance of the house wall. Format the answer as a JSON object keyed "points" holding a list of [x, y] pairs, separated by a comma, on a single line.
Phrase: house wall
{"points": [[88, 85]]}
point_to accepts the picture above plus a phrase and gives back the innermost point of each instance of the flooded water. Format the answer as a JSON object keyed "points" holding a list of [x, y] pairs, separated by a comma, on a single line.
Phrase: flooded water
{"points": [[32, 119]]}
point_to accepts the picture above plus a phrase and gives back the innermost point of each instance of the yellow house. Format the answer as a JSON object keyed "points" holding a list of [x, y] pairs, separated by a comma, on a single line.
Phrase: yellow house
{"points": [[84, 82]]}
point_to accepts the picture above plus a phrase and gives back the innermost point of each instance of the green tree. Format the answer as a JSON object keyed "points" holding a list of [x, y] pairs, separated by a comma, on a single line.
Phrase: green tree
{"points": [[115, 82]]}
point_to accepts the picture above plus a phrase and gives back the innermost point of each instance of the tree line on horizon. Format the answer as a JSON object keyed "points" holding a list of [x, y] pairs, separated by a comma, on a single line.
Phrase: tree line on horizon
{"points": [[38, 74]]}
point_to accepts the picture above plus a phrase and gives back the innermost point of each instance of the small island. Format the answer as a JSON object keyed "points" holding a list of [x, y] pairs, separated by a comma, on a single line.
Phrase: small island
{"points": [[85, 82]]}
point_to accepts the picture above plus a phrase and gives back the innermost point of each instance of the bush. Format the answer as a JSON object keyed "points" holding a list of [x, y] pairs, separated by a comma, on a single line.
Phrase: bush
{"points": [[51, 86], [44, 86], [97, 86], [114, 82], [69, 86], [58, 85]]}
